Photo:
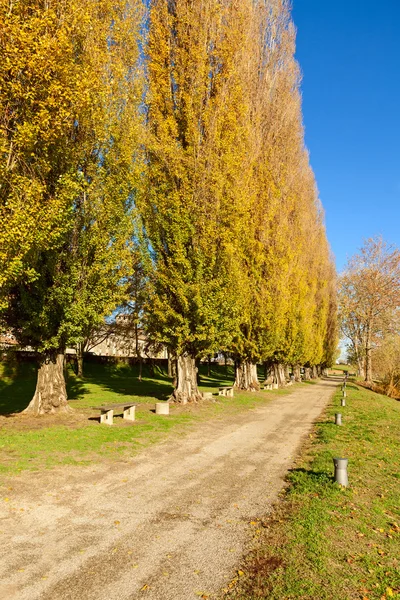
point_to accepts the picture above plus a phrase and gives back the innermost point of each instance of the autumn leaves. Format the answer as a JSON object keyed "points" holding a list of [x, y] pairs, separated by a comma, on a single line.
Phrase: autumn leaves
{"points": [[171, 137], [241, 262]]}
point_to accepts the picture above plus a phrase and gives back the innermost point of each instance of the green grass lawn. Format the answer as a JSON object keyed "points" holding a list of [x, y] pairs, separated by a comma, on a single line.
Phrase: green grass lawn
{"points": [[34, 443], [324, 541]]}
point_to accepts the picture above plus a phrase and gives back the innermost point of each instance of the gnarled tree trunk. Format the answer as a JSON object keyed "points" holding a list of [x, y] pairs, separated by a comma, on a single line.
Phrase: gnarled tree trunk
{"points": [[279, 374], [314, 373], [246, 377], [186, 389], [172, 368], [286, 371], [296, 372], [307, 375], [50, 395]]}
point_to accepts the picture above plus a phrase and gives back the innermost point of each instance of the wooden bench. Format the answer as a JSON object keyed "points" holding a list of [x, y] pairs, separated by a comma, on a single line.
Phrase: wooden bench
{"points": [[226, 391], [107, 412]]}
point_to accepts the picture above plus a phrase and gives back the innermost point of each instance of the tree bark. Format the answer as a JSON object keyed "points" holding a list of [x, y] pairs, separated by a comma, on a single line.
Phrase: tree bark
{"points": [[246, 377], [50, 395], [368, 356], [186, 389], [79, 359], [360, 366], [307, 375], [296, 372], [286, 371], [279, 374], [314, 372], [172, 368], [138, 352]]}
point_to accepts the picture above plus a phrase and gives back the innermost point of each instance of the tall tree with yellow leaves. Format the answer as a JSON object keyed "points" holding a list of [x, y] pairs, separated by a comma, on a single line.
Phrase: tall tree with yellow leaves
{"points": [[195, 206], [282, 325], [70, 139]]}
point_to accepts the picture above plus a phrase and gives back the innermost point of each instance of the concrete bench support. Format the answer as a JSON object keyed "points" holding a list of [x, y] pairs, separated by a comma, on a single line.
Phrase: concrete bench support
{"points": [[107, 412], [107, 416], [129, 413], [226, 391]]}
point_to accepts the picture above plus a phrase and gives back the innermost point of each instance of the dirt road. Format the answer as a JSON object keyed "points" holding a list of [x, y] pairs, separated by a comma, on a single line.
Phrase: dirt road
{"points": [[171, 524]]}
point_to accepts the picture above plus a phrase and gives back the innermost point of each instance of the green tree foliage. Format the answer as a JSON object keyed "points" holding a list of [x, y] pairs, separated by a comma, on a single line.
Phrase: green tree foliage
{"points": [[195, 206], [240, 257], [87, 169]]}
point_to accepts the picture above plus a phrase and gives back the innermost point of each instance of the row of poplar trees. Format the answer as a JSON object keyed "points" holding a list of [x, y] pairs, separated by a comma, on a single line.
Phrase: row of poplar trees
{"points": [[159, 145]]}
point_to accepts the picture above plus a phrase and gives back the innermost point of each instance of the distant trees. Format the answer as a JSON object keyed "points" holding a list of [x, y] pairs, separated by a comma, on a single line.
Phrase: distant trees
{"points": [[369, 298]]}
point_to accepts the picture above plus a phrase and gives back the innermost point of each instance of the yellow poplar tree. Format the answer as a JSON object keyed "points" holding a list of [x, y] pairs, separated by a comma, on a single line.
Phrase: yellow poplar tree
{"points": [[282, 325], [195, 205]]}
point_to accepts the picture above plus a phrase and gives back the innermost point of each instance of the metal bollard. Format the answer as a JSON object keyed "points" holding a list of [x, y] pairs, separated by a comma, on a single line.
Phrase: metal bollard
{"points": [[338, 419], [344, 393], [341, 471], [343, 403]]}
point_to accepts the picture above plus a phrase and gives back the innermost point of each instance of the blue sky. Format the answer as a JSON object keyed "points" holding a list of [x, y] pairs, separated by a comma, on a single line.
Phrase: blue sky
{"points": [[349, 53]]}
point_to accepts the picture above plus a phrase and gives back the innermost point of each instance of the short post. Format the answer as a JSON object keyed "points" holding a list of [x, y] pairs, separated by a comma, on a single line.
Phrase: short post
{"points": [[162, 408], [338, 419], [343, 403], [344, 393], [341, 471]]}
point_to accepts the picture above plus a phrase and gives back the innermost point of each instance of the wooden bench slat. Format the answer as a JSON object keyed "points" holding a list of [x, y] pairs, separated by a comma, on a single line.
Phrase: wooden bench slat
{"points": [[112, 406]]}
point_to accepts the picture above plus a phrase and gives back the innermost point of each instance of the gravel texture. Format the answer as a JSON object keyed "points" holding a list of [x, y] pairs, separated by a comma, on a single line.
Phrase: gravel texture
{"points": [[170, 524]]}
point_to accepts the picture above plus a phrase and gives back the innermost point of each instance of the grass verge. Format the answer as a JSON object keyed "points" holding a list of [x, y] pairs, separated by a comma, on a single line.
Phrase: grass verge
{"points": [[323, 541], [34, 443]]}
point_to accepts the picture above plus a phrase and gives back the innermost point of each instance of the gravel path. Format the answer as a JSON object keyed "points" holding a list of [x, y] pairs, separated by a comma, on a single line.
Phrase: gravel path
{"points": [[171, 524]]}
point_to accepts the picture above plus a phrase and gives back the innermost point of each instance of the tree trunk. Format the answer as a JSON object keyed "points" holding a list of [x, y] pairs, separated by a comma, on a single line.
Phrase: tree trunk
{"points": [[390, 386], [138, 352], [314, 372], [296, 372], [246, 376], [279, 374], [186, 389], [307, 375], [79, 359], [360, 366], [368, 356], [268, 373], [209, 365], [50, 395], [286, 371]]}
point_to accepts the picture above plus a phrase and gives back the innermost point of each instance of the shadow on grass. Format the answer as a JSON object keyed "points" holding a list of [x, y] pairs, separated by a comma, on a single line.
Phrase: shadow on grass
{"points": [[18, 381], [308, 478], [219, 376], [122, 380], [17, 386]]}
